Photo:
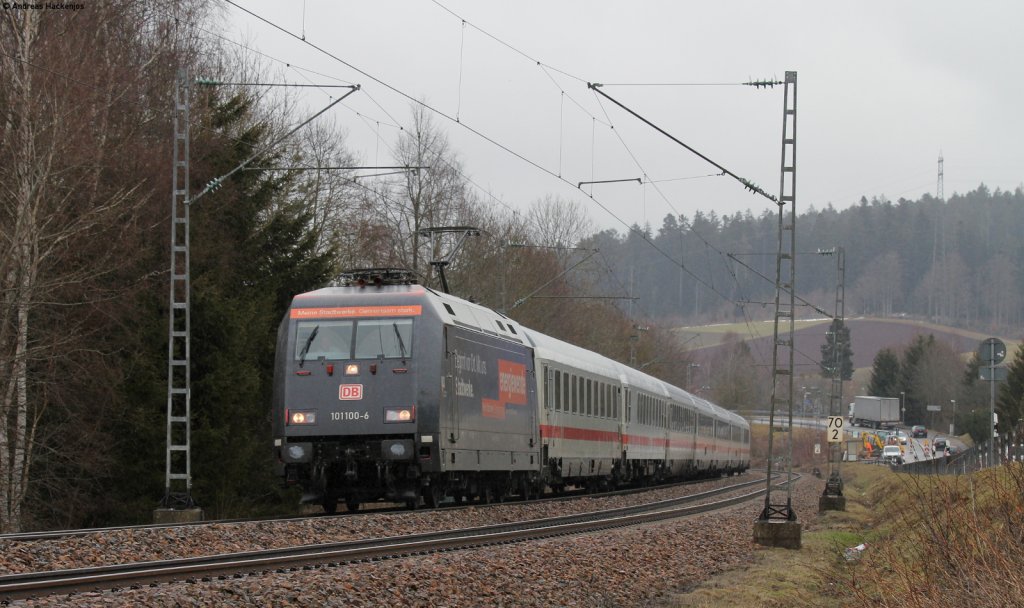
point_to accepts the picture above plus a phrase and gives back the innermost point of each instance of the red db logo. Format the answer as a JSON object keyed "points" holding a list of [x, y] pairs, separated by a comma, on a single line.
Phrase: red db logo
{"points": [[350, 392]]}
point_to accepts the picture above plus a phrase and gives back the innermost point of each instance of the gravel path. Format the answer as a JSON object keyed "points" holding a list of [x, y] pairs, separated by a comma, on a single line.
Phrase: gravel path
{"points": [[623, 567]]}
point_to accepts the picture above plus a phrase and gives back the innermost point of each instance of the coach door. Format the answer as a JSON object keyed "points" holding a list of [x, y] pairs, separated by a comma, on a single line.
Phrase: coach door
{"points": [[625, 397]]}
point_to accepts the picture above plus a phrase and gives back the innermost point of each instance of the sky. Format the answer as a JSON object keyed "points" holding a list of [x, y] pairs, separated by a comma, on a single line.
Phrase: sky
{"points": [[883, 89]]}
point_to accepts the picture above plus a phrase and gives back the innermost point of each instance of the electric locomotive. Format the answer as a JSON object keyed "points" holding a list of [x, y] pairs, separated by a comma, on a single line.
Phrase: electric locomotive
{"points": [[385, 389]]}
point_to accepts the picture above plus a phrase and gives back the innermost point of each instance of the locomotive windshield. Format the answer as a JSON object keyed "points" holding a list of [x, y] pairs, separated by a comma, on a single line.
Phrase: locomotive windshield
{"points": [[327, 339], [383, 338], [373, 339]]}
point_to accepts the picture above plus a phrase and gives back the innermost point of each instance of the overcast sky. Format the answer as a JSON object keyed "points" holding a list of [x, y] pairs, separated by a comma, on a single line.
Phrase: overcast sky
{"points": [[883, 88]]}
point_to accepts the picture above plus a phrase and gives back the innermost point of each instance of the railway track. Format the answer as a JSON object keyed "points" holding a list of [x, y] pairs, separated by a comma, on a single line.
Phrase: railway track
{"points": [[382, 508], [136, 575]]}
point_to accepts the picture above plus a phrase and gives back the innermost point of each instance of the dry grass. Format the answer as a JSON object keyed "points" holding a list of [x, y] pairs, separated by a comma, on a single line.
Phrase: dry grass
{"points": [[948, 540], [931, 541]]}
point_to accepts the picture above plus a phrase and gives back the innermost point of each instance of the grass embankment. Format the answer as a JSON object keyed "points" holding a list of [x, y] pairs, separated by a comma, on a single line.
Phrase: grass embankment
{"points": [[931, 541]]}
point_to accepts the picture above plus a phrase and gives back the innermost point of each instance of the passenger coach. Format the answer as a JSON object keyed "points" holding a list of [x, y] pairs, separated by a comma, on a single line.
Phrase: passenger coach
{"points": [[387, 389]]}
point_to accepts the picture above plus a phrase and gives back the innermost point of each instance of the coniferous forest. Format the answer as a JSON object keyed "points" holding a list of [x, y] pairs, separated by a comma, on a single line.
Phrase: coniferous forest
{"points": [[85, 190]]}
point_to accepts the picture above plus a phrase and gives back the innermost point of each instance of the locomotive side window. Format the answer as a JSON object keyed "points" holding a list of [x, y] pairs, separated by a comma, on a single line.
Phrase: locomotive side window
{"points": [[327, 339], [383, 338]]}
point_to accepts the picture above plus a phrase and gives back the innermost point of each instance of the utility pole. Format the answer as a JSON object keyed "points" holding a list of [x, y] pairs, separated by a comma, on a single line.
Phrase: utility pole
{"points": [[777, 525]]}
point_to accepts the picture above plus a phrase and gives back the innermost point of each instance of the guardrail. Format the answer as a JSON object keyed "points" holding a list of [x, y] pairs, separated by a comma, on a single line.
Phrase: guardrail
{"points": [[1006, 449]]}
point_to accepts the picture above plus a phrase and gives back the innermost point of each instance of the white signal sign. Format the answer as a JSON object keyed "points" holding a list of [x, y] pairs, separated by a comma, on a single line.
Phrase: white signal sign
{"points": [[835, 429]]}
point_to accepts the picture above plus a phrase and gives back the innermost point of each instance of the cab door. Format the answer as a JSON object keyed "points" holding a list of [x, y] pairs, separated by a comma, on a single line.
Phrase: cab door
{"points": [[450, 412]]}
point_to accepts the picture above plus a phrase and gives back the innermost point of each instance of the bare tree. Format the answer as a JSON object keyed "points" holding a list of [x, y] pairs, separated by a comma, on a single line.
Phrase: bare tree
{"points": [[557, 222], [422, 198], [735, 381], [937, 376], [331, 194]]}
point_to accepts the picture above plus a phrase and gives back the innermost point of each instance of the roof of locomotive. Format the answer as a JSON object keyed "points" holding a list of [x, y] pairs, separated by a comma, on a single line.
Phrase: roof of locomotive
{"points": [[457, 311]]}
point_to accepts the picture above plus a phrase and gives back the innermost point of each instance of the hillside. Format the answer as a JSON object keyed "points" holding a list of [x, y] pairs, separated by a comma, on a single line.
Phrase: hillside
{"points": [[868, 335]]}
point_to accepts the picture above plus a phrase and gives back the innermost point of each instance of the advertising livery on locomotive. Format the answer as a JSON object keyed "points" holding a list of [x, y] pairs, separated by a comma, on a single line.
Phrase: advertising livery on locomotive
{"points": [[385, 389]]}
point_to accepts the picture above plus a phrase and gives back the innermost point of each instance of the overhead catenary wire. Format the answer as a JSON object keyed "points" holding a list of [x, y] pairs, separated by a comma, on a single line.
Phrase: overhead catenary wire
{"points": [[215, 183], [746, 183], [681, 262], [491, 140]]}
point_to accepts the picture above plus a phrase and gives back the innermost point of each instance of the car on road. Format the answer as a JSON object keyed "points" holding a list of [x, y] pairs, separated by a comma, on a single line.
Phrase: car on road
{"points": [[892, 454], [918, 431], [939, 444], [902, 437]]}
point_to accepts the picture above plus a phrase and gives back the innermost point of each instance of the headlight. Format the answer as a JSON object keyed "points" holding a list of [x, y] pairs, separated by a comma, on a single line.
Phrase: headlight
{"points": [[297, 453], [301, 417], [396, 449], [400, 414]]}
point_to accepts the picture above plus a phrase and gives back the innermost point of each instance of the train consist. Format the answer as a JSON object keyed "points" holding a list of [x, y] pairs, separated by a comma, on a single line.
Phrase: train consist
{"points": [[387, 389]]}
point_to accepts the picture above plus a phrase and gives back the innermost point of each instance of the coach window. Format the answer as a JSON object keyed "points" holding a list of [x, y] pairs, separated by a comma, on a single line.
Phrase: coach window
{"points": [[582, 393], [558, 390], [327, 339], [590, 397], [383, 338], [705, 426], [600, 400], [547, 390], [566, 393]]}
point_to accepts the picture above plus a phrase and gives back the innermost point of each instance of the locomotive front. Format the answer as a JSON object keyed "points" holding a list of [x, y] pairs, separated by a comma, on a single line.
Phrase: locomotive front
{"points": [[350, 412]]}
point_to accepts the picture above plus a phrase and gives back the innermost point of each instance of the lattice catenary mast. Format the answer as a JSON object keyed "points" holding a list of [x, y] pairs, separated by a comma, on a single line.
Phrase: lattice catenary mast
{"points": [[178, 476], [777, 525]]}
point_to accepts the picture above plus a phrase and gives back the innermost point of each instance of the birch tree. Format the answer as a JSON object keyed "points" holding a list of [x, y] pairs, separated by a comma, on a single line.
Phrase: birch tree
{"points": [[69, 81]]}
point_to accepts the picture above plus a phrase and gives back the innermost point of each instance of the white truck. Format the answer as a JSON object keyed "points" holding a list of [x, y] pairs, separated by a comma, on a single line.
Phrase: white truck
{"points": [[875, 412]]}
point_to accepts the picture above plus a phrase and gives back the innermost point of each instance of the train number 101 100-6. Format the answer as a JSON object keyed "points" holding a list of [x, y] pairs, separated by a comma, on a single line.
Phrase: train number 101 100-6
{"points": [[350, 415]]}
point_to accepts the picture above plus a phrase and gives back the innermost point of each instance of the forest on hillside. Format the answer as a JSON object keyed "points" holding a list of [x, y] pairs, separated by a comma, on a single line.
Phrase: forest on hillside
{"points": [[957, 262], [85, 227]]}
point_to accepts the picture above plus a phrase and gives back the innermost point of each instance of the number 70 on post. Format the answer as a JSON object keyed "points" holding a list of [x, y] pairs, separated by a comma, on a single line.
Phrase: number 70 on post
{"points": [[835, 429]]}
